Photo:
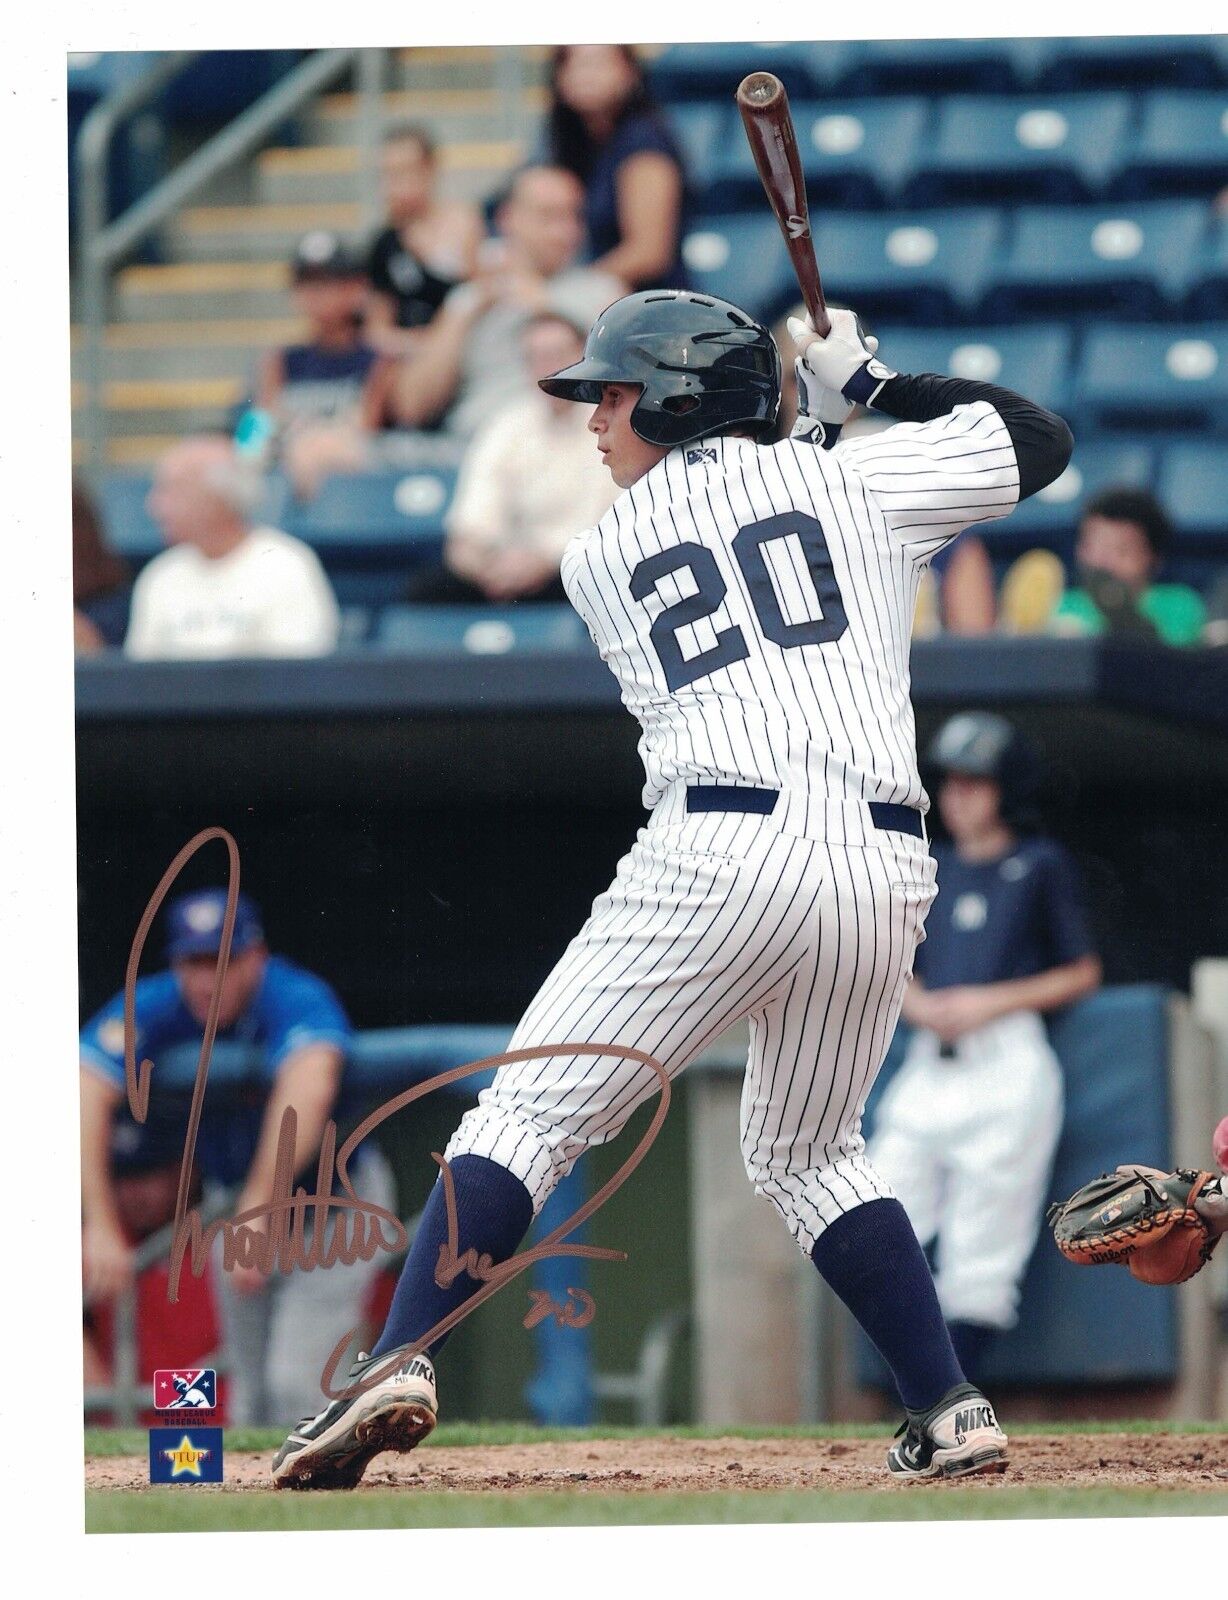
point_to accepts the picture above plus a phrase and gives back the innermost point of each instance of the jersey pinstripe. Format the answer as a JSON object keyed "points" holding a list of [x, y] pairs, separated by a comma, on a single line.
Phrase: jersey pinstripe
{"points": [[776, 585]]}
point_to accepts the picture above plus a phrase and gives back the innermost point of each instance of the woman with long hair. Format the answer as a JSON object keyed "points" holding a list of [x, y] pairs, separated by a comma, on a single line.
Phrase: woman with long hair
{"points": [[604, 126]]}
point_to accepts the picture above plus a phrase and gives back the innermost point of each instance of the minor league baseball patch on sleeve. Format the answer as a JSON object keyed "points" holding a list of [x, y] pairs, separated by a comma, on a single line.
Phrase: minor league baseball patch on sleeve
{"points": [[185, 1455]]}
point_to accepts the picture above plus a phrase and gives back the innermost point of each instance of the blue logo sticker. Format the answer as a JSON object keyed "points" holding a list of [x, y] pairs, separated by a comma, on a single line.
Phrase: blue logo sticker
{"points": [[185, 1455]]}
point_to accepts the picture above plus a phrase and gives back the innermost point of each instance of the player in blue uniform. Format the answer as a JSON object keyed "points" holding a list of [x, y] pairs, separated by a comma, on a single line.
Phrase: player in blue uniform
{"points": [[278, 1331], [967, 1130]]}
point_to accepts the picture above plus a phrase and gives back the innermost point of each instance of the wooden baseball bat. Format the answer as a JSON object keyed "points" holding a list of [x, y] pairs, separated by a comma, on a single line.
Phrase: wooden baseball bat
{"points": [[765, 112]]}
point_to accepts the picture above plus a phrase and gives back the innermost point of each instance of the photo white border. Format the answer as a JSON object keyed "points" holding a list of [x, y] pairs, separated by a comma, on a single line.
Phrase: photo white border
{"points": [[40, 1467]]}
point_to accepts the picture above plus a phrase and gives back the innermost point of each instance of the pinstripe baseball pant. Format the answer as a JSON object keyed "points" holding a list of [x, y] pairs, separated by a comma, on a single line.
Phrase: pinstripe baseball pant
{"points": [[710, 918]]}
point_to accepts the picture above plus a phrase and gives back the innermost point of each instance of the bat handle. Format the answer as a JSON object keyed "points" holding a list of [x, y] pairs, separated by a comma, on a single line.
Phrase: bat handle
{"points": [[816, 306]]}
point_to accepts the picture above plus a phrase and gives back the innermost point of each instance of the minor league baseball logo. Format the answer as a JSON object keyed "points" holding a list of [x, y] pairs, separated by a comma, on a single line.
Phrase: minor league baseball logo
{"points": [[798, 227]]}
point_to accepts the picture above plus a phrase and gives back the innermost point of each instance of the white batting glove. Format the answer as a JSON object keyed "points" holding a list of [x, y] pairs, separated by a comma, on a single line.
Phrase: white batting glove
{"points": [[845, 362]]}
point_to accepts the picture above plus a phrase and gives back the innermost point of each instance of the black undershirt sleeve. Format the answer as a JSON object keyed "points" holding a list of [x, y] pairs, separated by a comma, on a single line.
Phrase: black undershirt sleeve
{"points": [[1042, 441]]}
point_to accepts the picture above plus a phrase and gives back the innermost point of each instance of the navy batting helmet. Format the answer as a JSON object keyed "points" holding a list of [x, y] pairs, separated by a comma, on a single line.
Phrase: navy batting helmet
{"points": [[981, 744], [704, 365]]}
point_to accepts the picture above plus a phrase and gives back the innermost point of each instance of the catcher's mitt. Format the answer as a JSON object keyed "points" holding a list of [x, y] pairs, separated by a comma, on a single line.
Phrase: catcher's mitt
{"points": [[1142, 1218]]}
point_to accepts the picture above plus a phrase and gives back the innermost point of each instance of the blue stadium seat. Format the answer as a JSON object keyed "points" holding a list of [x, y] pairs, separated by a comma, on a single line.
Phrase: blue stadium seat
{"points": [[743, 259], [714, 71], [1060, 147], [376, 516], [1208, 290], [1034, 361], [854, 152], [924, 265], [1133, 376], [1181, 146], [1133, 60], [1133, 258], [704, 130], [939, 66], [482, 630], [130, 530], [1050, 517], [1194, 491]]}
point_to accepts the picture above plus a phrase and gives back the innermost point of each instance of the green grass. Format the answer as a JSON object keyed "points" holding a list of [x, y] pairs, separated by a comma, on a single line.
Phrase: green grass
{"points": [[135, 1441], [193, 1511]]}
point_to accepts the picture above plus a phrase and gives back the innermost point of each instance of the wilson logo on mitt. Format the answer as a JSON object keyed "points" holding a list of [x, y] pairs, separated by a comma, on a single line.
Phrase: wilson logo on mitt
{"points": [[1139, 1217]]}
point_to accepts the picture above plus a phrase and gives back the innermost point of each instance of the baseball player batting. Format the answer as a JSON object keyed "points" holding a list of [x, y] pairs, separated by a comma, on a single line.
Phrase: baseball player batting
{"points": [[754, 601]]}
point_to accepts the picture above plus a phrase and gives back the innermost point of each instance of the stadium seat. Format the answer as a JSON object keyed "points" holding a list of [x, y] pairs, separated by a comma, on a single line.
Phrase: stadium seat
{"points": [[1194, 490], [1050, 517], [704, 129], [1132, 376], [1133, 258], [482, 630], [1030, 147], [371, 516], [1181, 146], [938, 66], [1132, 60], [854, 152], [1034, 361], [714, 71], [924, 265], [743, 259], [1208, 289]]}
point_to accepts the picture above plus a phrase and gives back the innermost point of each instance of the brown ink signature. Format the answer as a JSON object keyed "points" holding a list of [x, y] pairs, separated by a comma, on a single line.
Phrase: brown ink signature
{"points": [[280, 1240]]}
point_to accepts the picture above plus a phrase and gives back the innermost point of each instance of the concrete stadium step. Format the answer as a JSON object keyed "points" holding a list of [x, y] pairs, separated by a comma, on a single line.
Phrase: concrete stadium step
{"points": [[453, 117], [225, 290], [167, 406], [151, 351], [329, 174], [461, 66], [138, 452], [256, 233]]}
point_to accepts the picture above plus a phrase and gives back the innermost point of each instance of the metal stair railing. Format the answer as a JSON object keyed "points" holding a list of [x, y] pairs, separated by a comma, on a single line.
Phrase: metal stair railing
{"points": [[104, 243]]}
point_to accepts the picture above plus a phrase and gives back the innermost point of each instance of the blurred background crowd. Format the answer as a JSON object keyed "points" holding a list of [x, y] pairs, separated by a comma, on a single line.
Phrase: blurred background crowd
{"points": [[306, 425], [1049, 218]]}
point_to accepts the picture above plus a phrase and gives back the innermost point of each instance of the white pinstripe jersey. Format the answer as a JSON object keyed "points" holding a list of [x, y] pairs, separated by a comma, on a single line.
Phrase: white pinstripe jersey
{"points": [[755, 602]]}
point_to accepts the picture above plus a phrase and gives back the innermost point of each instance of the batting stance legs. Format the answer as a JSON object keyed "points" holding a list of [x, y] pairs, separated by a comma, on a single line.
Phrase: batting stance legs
{"points": [[709, 919]]}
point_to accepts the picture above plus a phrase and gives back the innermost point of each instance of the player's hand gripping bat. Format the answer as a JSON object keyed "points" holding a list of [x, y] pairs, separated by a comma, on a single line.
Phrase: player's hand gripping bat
{"points": [[764, 106]]}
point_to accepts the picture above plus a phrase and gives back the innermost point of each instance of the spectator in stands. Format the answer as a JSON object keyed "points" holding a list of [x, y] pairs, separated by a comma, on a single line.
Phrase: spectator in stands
{"points": [[278, 1331], [1124, 536], [328, 396], [101, 583], [470, 362], [428, 247], [225, 587], [604, 126], [510, 520]]}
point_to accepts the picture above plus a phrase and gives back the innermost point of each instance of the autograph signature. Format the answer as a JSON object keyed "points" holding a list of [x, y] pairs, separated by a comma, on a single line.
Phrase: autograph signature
{"points": [[277, 1236]]}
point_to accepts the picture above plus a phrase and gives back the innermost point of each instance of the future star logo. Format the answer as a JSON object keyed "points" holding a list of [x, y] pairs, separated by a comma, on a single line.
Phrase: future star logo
{"points": [[186, 1458]]}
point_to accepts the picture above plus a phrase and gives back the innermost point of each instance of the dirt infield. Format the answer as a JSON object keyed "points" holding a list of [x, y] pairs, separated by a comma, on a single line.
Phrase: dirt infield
{"points": [[1190, 1462]]}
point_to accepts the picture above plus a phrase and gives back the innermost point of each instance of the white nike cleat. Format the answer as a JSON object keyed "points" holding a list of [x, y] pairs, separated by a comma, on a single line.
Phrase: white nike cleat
{"points": [[956, 1438], [333, 1449]]}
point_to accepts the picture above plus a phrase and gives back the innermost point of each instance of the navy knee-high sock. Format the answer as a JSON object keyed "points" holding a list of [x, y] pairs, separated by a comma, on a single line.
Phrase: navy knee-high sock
{"points": [[871, 1258], [493, 1213], [970, 1341]]}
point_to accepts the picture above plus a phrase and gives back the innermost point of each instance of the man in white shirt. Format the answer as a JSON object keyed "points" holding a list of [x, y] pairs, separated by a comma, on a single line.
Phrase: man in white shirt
{"points": [[469, 360], [510, 521], [225, 587]]}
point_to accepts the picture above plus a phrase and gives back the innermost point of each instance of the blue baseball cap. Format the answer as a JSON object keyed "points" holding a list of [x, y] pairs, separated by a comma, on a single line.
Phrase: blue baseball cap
{"points": [[194, 924]]}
